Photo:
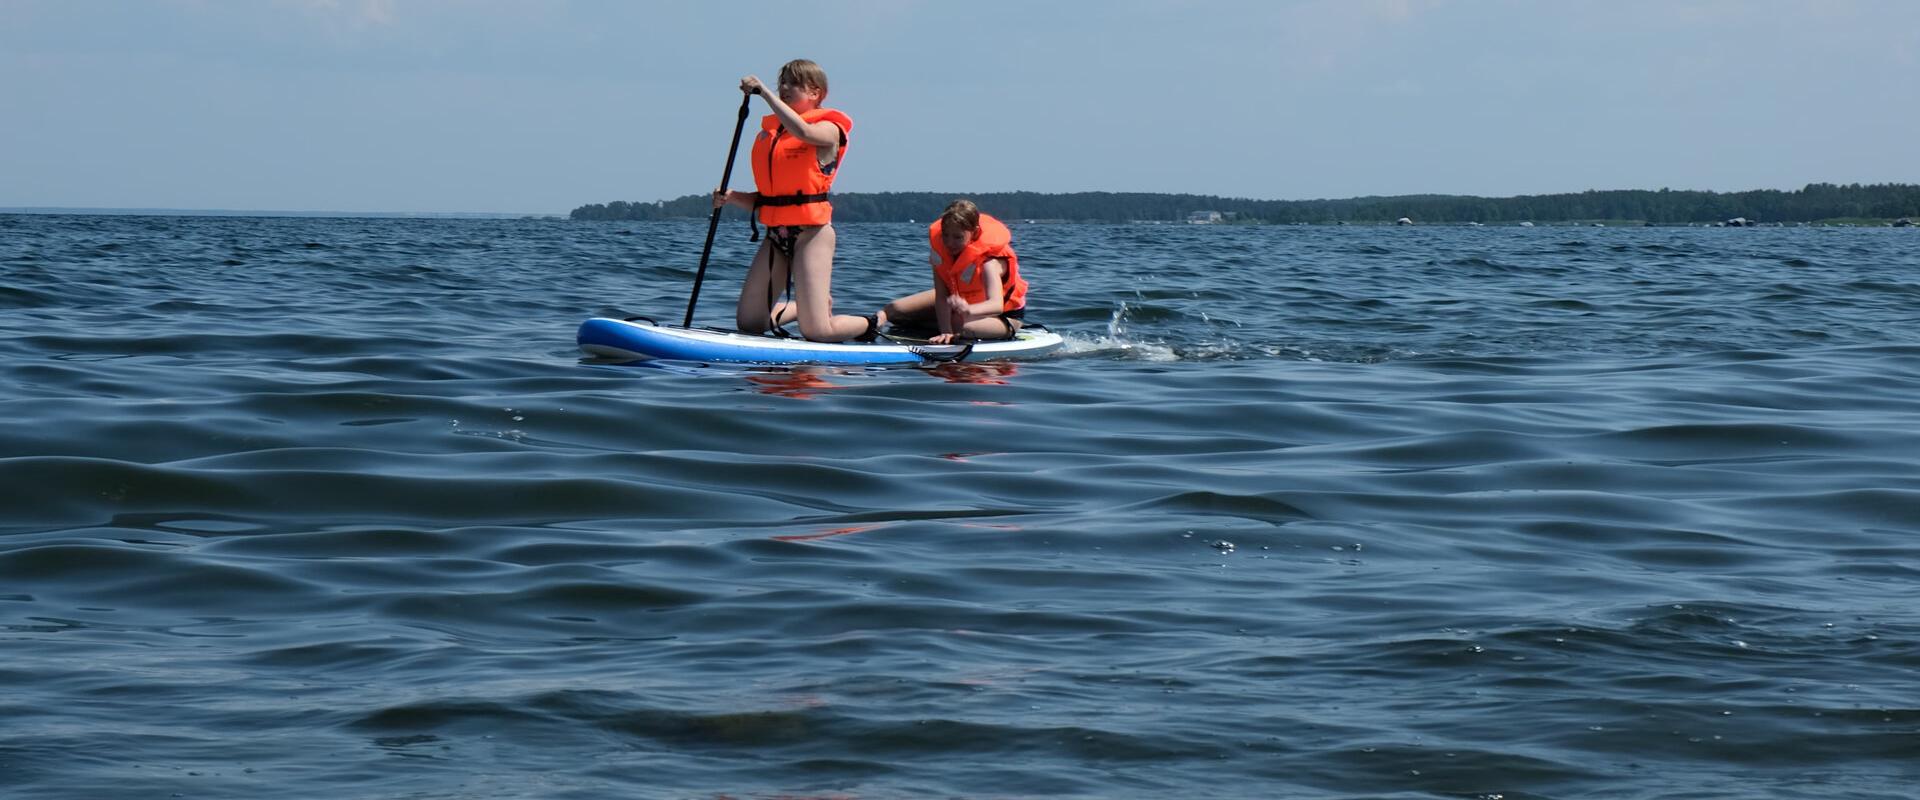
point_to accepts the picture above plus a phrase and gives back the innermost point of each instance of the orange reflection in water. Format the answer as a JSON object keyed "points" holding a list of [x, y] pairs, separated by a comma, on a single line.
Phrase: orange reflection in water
{"points": [[783, 796], [802, 537], [807, 382], [992, 373], [799, 383]]}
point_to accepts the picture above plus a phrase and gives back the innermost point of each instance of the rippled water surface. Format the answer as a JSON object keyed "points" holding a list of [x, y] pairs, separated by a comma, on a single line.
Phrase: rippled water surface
{"points": [[334, 508]]}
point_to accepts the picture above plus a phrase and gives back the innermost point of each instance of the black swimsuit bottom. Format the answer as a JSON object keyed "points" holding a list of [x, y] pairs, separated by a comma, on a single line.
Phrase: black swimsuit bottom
{"points": [[785, 237]]}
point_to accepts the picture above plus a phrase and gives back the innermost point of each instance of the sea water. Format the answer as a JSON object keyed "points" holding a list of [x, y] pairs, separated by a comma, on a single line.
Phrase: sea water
{"points": [[296, 507]]}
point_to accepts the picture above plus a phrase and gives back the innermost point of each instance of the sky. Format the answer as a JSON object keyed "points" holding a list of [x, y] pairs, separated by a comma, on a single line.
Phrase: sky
{"points": [[539, 106]]}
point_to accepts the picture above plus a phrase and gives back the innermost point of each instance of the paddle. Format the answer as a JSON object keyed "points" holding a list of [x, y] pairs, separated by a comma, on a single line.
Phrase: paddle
{"points": [[713, 222]]}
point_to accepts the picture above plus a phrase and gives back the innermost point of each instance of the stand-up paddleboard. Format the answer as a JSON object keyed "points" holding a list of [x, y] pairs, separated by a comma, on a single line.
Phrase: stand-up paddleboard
{"points": [[644, 339]]}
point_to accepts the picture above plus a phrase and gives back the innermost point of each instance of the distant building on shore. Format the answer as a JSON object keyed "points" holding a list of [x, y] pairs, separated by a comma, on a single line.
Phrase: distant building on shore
{"points": [[1204, 218]]}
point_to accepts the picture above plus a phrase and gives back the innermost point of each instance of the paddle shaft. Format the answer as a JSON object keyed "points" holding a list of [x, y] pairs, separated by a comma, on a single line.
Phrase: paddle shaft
{"points": [[713, 222]]}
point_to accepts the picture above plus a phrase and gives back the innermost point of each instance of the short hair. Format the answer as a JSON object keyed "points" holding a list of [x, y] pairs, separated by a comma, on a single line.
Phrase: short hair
{"points": [[962, 214], [805, 73]]}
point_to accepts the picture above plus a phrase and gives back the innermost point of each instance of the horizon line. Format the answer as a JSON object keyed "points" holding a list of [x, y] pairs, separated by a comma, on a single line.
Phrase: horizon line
{"points": [[269, 212], [1799, 188]]}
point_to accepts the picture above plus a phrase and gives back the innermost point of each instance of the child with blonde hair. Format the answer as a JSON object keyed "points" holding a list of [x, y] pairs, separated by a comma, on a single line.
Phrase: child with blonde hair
{"points": [[795, 159]]}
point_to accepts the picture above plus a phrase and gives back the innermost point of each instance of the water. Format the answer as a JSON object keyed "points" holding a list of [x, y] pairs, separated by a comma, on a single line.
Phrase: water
{"points": [[333, 508]]}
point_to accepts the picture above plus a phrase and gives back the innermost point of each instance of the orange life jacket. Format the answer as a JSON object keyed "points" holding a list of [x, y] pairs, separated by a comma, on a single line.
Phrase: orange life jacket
{"points": [[995, 241], [786, 170]]}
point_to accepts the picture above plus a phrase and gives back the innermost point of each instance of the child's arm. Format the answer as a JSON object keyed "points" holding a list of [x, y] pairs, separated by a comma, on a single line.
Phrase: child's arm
{"points": [[818, 134], [942, 316], [942, 313], [994, 270], [742, 199]]}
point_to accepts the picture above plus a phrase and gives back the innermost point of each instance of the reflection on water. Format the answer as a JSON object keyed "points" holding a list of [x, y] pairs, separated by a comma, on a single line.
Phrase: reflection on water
{"points": [[804, 382], [827, 534], [989, 372]]}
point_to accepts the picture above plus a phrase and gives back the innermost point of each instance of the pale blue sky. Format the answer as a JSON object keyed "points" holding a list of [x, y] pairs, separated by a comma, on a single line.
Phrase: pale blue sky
{"points": [[543, 105]]}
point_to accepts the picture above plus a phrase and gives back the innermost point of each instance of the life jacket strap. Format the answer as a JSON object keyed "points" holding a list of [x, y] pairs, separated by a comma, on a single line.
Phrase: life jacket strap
{"points": [[753, 217], [791, 199]]}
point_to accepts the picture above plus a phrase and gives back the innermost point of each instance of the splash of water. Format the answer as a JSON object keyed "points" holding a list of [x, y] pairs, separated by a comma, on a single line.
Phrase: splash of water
{"points": [[1115, 342]]}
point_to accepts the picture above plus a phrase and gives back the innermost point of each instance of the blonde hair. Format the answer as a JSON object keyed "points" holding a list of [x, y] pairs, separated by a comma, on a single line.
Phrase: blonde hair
{"points": [[962, 214], [805, 73]]}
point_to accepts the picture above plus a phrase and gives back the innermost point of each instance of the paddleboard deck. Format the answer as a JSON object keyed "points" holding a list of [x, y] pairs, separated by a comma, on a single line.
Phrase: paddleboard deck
{"points": [[641, 339]]}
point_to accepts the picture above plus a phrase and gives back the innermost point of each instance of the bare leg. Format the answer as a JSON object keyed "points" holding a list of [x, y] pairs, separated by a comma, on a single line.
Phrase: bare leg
{"points": [[785, 312], [990, 328], [766, 280], [813, 289], [913, 310]]}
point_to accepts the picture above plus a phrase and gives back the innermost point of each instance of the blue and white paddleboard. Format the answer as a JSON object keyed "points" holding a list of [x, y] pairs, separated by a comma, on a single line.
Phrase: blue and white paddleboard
{"points": [[642, 339]]}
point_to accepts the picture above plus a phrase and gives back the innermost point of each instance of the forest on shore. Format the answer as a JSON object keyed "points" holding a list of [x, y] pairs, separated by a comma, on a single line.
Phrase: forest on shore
{"points": [[1816, 203]]}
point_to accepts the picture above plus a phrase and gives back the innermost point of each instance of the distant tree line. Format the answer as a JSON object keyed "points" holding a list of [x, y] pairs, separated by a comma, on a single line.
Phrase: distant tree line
{"points": [[1816, 202]]}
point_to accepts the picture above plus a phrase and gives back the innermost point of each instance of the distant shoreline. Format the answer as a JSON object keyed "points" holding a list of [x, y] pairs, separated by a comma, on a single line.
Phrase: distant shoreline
{"points": [[1816, 203]]}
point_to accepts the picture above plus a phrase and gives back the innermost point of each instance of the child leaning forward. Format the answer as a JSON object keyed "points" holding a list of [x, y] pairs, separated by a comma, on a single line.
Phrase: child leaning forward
{"points": [[977, 289]]}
